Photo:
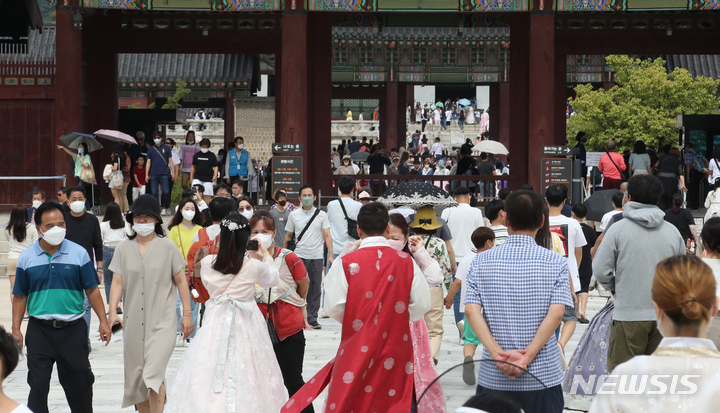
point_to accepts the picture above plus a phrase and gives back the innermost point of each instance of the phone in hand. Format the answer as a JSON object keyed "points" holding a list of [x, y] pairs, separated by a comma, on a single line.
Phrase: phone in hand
{"points": [[253, 245], [116, 327]]}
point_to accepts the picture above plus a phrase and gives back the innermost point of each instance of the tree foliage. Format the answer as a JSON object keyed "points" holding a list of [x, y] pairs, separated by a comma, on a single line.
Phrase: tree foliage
{"points": [[173, 101], [643, 104]]}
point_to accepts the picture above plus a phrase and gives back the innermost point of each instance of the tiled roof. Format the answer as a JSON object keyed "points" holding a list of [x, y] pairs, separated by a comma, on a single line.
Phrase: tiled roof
{"points": [[698, 65], [40, 46], [188, 67]]}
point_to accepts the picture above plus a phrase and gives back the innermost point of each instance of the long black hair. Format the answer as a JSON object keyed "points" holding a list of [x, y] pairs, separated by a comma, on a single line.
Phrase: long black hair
{"points": [[198, 219], [231, 253], [398, 220], [543, 237], [16, 225], [710, 234], [114, 215]]}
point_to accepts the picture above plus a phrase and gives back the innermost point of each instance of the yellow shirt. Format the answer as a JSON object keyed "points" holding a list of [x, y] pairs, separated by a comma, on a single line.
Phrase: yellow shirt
{"points": [[183, 238]]}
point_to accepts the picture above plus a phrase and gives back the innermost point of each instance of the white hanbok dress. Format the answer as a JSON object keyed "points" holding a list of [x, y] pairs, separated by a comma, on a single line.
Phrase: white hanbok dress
{"points": [[230, 366], [688, 370]]}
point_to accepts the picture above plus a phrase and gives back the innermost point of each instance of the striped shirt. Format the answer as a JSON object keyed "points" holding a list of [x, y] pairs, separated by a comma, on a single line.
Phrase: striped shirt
{"points": [[515, 284], [54, 286]]}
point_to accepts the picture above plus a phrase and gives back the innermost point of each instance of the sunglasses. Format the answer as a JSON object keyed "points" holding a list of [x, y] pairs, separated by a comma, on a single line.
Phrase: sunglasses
{"points": [[247, 208], [60, 194]]}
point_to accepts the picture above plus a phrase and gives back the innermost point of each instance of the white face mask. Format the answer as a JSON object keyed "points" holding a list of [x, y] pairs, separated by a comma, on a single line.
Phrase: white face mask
{"points": [[204, 150], [241, 146], [54, 236], [189, 215], [266, 239], [36, 204], [247, 214], [157, 141], [144, 229], [77, 206]]}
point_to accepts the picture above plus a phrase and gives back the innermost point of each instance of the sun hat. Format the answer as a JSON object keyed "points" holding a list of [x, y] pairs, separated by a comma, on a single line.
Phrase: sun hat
{"points": [[426, 219], [145, 204]]}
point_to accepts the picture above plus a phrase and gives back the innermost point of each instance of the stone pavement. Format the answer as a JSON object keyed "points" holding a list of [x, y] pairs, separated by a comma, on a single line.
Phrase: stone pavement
{"points": [[107, 362]]}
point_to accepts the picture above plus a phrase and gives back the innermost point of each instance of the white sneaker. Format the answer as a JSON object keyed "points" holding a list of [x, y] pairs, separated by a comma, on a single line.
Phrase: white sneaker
{"points": [[179, 341]]}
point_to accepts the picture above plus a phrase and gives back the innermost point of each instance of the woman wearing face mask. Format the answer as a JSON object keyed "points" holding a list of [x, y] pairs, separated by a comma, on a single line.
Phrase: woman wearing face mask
{"points": [[683, 369], [188, 220], [20, 235], [346, 167], [114, 230], [246, 207], [424, 372], [287, 303], [148, 272], [230, 366], [187, 153], [84, 172]]}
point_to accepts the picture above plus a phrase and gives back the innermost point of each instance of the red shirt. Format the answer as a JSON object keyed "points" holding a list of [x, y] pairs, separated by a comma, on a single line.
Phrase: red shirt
{"points": [[287, 318], [140, 173], [608, 169]]}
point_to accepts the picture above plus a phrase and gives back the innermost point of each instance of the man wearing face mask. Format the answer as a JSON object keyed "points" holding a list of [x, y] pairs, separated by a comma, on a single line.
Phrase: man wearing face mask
{"points": [[339, 214], [280, 212], [84, 230], [310, 226], [38, 198], [204, 170], [160, 168], [239, 165], [56, 329]]}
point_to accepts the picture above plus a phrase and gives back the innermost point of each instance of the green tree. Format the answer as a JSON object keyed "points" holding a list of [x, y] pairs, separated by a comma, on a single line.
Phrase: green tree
{"points": [[643, 104], [173, 101]]}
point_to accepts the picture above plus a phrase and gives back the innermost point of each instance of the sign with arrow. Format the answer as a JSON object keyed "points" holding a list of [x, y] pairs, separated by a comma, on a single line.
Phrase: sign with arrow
{"points": [[557, 172], [558, 150], [287, 148]]}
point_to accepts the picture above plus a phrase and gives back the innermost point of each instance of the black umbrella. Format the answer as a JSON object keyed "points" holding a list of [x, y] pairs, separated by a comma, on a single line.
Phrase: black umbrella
{"points": [[360, 156], [415, 194], [599, 204], [73, 140]]}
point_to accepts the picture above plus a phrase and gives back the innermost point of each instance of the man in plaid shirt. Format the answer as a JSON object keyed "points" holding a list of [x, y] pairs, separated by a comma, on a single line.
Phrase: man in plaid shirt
{"points": [[516, 296]]}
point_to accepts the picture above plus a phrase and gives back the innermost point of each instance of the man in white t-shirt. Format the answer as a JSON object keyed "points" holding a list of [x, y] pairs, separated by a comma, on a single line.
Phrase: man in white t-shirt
{"points": [[336, 216], [571, 233], [309, 247], [617, 200], [437, 149], [462, 221]]}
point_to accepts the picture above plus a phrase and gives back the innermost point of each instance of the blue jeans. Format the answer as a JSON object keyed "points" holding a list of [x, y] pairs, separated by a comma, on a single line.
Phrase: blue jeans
{"points": [[164, 182], [193, 307], [443, 124], [108, 254]]}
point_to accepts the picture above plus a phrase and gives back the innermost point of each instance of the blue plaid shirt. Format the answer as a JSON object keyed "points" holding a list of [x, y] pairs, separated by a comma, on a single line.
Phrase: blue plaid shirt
{"points": [[515, 284]]}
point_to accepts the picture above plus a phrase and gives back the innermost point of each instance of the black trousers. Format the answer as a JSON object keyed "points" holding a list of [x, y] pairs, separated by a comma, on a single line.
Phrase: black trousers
{"points": [[693, 196], [290, 354], [67, 346], [535, 401]]}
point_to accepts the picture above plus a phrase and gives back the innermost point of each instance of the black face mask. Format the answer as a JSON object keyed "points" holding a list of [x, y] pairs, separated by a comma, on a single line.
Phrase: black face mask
{"points": [[282, 203]]}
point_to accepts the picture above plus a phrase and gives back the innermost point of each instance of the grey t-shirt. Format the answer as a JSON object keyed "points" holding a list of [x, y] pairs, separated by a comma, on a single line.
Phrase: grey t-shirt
{"points": [[280, 221]]}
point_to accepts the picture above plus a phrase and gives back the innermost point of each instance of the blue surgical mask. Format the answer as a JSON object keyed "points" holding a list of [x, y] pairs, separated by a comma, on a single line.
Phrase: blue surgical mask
{"points": [[308, 201], [80, 150]]}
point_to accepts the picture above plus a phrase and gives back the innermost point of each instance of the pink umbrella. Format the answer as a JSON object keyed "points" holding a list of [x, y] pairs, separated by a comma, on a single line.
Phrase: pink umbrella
{"points": [[115, 136]]}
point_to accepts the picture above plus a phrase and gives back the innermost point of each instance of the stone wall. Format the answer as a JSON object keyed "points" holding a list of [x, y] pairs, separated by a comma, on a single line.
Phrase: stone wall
{"points": [[255, 121]]}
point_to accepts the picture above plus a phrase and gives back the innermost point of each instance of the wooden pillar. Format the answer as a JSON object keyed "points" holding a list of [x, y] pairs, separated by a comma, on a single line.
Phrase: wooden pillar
{"points": [[383, 111], [560, 105], [229, 121], [518, 94], [494, 110], [503, 123], [278, 91], [68, 83], [389, 117], [294, 73], [541, 90], [319, 96]]}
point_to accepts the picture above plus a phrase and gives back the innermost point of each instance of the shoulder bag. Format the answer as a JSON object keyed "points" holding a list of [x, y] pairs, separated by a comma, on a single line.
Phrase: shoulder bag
{"points": [[293, 242], [163, 157], [271, 329], [351, 223]]}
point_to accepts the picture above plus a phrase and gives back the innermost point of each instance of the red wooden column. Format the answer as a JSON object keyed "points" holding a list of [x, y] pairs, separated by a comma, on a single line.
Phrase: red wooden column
{"points": [[294, 76], [518, 97], [541, 90], [503, 123], [229, 122], [68, 84], [494, 110], [319, 96], [560, 104], [389, 117]]}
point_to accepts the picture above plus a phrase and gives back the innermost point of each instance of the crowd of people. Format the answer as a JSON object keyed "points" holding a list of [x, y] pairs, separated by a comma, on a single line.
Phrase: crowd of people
{"points": [[444, 116], [239, 286]]}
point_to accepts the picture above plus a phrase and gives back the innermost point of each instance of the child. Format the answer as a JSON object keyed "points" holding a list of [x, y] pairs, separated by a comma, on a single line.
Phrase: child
{"points": [[483, 239], [139, 178]]}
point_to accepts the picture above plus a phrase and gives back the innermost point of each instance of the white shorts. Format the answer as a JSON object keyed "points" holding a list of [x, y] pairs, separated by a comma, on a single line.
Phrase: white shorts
{"points": [[207, 185]]}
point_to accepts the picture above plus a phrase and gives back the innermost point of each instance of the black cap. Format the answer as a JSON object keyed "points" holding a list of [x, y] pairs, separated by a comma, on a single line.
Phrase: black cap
{"points": [[145, 204]]}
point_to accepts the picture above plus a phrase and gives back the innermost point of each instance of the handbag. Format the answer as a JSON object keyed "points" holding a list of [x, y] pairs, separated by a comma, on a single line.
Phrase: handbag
{"points": [[271, 329], [292, 244], [116, 180], [351, 223]]}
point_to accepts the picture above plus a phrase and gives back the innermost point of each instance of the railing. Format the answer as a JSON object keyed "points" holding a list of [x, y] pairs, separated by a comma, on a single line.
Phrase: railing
{"points": [[348, 128], [484, 188]]}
